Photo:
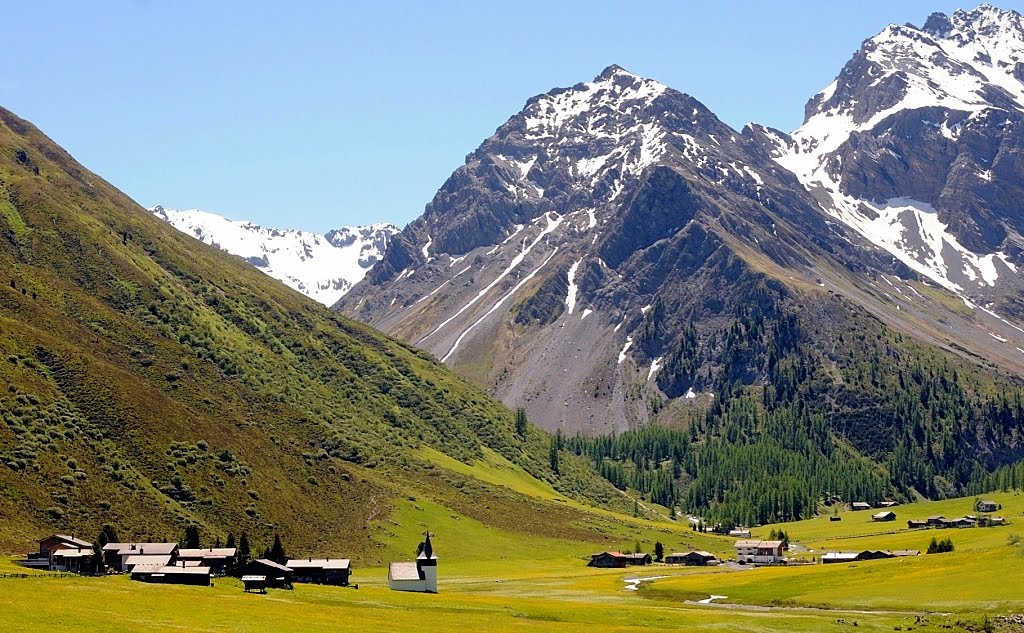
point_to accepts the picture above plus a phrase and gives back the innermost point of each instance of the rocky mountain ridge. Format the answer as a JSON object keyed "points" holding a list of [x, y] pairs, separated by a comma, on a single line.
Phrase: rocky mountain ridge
{"points": [[322, 267], [590, 258], [915, 145]]}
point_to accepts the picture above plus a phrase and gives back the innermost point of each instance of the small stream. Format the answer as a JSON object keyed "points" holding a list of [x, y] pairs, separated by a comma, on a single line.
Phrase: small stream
{"points": [[633, 583]]}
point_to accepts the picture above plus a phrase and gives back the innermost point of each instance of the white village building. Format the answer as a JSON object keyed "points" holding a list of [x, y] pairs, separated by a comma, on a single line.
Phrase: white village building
{"points": [[420, 575]]}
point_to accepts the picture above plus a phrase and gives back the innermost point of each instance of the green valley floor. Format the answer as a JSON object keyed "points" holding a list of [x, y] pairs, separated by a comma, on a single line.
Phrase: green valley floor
{"points": [[509, 582]]}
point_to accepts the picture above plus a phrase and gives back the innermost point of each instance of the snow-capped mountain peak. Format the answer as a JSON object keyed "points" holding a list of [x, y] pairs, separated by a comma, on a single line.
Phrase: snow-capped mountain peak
{"points": [[323, 267], [611, 92], [910, 91], [970, 61]]}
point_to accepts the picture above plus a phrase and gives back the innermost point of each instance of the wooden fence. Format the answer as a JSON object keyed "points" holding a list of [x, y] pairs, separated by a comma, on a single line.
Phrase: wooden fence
{"points": [[37, 576]]}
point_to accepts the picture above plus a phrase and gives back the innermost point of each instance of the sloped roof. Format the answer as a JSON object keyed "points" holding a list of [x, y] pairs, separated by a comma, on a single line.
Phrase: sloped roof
{"points": [[155, 559], [72, 553], [171, 570], [847, 556], [320, 563], [273, 565], [131, 549], [756, 543], [70, 540], [404, 571], [209, 552]]}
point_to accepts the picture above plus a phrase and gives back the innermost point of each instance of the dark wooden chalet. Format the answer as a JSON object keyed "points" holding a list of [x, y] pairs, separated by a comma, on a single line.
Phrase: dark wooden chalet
{"points": [[618, 559], [690, 559], [59, 552], [218, 559], [254, 583], [276, 576], [116, 555], [172, 575], [321, 571]]}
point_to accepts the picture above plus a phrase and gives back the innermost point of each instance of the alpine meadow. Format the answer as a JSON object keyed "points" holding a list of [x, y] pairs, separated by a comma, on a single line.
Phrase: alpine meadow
{"points": [[630, 369]]}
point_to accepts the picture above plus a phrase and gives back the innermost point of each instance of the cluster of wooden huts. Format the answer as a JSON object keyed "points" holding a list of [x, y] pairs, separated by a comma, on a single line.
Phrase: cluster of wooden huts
{"points": [[262, 574], [171, 564], [864, 505], [619, 559], [967, 521], [868, 554]]}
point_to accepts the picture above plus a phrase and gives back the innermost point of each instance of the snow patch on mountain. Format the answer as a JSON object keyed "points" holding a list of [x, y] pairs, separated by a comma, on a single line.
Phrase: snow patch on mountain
{"points": [[570, 298], [552, 224], [323, 267], [911, 231], [498, 303]]}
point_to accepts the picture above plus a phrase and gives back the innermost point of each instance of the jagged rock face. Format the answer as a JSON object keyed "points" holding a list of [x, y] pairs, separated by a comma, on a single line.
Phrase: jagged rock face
{"points": [[563, 263], [917, 143], [608, 246], [323, 267]]}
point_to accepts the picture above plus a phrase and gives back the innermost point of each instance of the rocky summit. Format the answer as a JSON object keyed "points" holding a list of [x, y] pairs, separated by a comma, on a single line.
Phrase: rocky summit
{"points": [[615, 252]]}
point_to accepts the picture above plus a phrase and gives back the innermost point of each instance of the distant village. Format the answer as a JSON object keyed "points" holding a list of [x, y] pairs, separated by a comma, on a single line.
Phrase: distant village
{"points": [[169, 563], [751, 551]]}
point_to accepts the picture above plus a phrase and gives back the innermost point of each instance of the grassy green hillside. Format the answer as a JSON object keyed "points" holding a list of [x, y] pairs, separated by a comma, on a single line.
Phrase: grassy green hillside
{"points": [[149, 381]]}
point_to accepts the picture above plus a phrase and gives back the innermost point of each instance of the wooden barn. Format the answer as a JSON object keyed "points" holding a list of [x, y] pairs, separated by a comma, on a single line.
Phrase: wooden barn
{"points": [[116, 555], [618, 559], [59, 552], [321, 571], [691, 559], [170, 575], [218, 559], [276, 576]]}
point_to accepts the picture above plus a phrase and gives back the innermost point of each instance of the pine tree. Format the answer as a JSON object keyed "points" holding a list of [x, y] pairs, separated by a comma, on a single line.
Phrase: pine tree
{"points": [[244, 553], [231, 540], [96, 562], [521, 422], [659, 551], [107, 535], [277, 551], [191, 538], [553, 456]]}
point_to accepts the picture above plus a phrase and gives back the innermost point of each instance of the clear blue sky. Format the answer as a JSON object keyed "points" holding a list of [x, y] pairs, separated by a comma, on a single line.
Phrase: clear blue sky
{"points": [[330, 113]]}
